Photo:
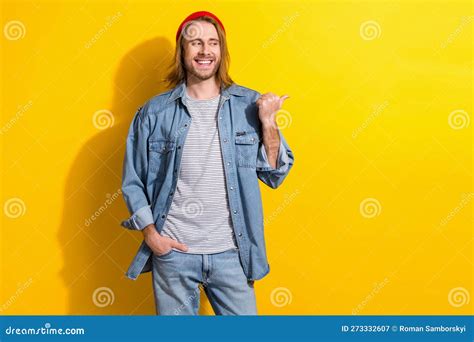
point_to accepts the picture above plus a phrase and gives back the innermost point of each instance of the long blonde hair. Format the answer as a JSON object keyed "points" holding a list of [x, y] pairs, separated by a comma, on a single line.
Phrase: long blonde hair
{"points": [[177, 70]]}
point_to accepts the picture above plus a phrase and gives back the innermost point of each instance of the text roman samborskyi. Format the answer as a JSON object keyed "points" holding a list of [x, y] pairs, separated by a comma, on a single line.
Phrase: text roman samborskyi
{"points": [[436, 329]]}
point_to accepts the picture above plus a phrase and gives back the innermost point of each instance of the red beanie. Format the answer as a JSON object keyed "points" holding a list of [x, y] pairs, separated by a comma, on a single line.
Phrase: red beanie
{"points": [[196, 15]]}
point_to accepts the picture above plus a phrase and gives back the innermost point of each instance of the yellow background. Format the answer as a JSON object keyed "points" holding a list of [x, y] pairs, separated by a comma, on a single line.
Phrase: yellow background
{"points": [[368, 117]]}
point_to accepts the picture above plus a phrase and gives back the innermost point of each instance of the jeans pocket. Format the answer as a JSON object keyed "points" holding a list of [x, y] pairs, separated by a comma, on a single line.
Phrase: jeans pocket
{"points": [[164, 255]]}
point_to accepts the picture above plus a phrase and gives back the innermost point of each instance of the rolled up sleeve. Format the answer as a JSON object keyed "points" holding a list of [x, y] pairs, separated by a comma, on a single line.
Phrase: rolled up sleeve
{"points": [[273, 177], [135, 168]]}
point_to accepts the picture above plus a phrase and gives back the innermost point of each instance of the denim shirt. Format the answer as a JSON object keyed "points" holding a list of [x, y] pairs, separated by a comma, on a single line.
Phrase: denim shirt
{"points": [[151, 166]]}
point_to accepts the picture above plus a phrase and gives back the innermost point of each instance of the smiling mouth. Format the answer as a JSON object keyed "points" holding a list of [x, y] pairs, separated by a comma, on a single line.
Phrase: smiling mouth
{"points": [[204, 63]]}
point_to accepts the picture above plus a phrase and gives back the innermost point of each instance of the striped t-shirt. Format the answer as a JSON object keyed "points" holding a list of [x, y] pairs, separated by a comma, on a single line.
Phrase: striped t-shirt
{"points": [[199, 215]]}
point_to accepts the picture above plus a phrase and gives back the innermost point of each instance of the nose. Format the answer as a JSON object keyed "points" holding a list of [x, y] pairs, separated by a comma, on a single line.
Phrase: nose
{"points": [[204, 48]]}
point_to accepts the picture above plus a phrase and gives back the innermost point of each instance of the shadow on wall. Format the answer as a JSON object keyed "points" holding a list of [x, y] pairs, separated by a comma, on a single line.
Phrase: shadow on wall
{"points": [[97, 250]]}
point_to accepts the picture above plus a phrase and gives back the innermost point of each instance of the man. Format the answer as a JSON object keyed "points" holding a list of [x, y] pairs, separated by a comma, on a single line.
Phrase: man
{"points": [[193, 158]]}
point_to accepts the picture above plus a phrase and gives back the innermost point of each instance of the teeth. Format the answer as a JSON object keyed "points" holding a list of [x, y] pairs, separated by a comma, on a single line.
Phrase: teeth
{"points": [[204, 62]]}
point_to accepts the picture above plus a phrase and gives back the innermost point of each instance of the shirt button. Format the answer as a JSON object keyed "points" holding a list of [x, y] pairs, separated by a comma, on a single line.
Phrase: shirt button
{"points": [[228, 163], [231, 188], [240, 234], [179, 147], [185, 125], [171, 193], [175, 170], [162, 216], [225, 140], [235, 211], [220, 117]]}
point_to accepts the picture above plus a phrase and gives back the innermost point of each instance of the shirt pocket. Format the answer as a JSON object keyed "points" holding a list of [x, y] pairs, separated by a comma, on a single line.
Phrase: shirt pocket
{"points": [[160, 151], [246, 149]]}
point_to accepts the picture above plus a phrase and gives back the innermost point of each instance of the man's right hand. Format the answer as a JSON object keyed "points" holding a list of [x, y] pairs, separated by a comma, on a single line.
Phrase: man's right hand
{"points": [[160, 244]]}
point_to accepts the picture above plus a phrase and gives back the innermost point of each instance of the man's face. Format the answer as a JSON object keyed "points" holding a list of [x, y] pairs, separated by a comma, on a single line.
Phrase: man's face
{"points": [[202, 54]]}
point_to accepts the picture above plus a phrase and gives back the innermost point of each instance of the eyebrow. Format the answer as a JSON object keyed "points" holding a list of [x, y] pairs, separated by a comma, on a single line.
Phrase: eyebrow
{"points": [[210, 39]]}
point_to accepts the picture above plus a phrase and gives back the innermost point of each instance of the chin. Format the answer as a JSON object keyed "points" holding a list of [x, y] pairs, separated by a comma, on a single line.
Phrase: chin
{"points": [[203, 77]]}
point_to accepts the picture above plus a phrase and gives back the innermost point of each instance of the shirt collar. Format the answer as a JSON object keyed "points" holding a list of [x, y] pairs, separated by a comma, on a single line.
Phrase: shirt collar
{"points": [[179, 91]]}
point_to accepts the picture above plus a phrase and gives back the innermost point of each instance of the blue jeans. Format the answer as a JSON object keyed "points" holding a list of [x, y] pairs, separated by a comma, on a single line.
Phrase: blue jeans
{"points": [[179, 277]]}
